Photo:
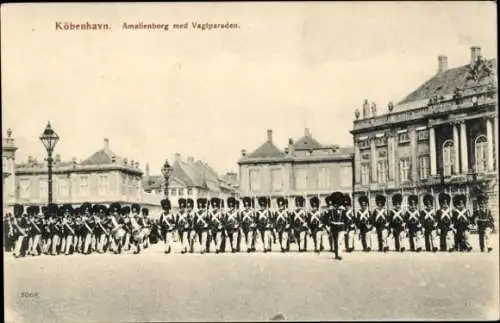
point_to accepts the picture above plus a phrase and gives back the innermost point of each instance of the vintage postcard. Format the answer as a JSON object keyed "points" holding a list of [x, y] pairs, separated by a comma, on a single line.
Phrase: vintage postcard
{"points": [[253, 161]]}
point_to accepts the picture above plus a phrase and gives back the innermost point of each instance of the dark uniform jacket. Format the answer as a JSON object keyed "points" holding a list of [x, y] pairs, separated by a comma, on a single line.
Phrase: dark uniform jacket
{"points": [[264, 219], [396, 220], [379, 218], [281, 220], [216, 219], [201, 220], [314, 220], [483, 219], [299, 218], [247, 217], [364, 220], [349, 220], [412, 219], [231, 220], [167, 222], [443, 218], [461, 219], [184, 220], [428, 219]]}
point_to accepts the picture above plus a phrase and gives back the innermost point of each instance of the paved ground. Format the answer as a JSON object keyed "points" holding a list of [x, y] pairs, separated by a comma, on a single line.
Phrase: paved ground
{"points": [[156, 287]]}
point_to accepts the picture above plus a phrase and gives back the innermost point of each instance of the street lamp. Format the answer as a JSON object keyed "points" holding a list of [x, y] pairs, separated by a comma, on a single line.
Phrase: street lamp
{"points": [[166, 170], [49, 138]]}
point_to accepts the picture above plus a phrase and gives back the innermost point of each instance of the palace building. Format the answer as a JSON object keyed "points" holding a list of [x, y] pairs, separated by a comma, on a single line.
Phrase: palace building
{"points": [[441, 137], [305, 168]]}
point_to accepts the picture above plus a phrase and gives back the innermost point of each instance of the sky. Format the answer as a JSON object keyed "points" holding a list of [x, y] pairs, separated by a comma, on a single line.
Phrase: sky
{"points": [[210, 94]]}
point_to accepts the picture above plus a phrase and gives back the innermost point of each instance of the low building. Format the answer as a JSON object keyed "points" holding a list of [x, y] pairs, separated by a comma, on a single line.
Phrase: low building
{"points": [[441, 137], [305, 168]]}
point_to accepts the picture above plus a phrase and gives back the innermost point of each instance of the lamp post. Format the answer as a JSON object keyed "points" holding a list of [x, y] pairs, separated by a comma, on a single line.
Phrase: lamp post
{"points": [[166, 170], [49, 138]]}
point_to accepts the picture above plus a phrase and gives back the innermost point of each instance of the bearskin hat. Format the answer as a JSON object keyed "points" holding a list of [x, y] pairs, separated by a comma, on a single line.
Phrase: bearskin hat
{"points": [[481, 198], [231, 202], [18, 210], [215, 202], [444, 197], [459, 198], [135, 208], [397, 198], [347, 200], [413, 199], [77, 211], [52, 209], [428, 198], [380, 199], [281, 201], [115, 207], [145, 211], [363, 199], [67, 208], [190, 203], [262, 200], [125, 210], [337, 198], [248, 201], [166, 205], [299, 201], [201, 203], [103, 209], [96, 208], [314, 201], [86, 207], [182, 203], [44, 210]]}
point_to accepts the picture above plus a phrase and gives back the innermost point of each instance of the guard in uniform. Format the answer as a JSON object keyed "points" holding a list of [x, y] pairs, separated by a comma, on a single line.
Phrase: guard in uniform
{"points": [[191, 215], [349, 224], [282, 224], [35, 232], [232, 224], [215, 225], [248, 225], [484, 223], [397, 223], [461, 220], [381, 223], [201, 224], [364, 223], [115, 228], [146, 224], [264, 224], [336, 221], [300, 227], [429, 223], [20, 229], [87, 225], [167, 224], [314, 222], [68, 229], [183, 225], [412, 220], [444, 223], [46, 230], [100, 231]]}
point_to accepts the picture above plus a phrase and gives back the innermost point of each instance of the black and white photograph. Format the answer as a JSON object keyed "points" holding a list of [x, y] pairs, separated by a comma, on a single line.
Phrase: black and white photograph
{"points": [[253, 161]]}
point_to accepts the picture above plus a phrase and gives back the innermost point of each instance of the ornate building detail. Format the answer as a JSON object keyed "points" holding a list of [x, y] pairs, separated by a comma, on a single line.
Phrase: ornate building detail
{"points": [[479, 71]]}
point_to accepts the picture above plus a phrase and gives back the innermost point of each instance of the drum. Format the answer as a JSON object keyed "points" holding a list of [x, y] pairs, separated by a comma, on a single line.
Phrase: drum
{"points": [[119, 233]]}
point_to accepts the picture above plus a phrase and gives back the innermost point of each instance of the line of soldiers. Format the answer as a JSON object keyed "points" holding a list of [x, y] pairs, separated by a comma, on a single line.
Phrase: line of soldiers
{"points": [[236, 229], [66, 230]]}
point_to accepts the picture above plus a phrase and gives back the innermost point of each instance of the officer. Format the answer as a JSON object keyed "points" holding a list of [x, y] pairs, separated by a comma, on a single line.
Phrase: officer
{"points": [[444, 223], [231, 224], [167, 224], [300, 227], [397, 223], [429, 223], [461, 220], [282, 224], [314, 222], [264, 224], [413, 225], [215, 225], [484, 223], [336, 221], [364, 223], [349, 224], [380, 222]]}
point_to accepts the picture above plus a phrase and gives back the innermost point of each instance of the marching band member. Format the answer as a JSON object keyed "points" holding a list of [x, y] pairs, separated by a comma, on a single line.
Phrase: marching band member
{"points": [[183, 224], [461, 220], [379, 220], [364, 223], [314, 222], [215, 225], [100, 230], [167, 224], [201, 224], [444, 223], [232, 224], [484, 223], [429, 223], [20, 225], [349, 224], [300, 227], [116, 230], [336, 221], [248, 226], [412, 220], [397, 223], [135, 228], [146, 224], [263, 219], [282, 224]]}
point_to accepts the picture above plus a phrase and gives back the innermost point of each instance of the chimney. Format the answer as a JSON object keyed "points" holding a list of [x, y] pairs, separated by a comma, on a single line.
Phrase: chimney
{"points": [[290, 146], [307, 133], [442, 63], [475, 53], [106, 143], [269, 135], [146, 173], [113, 159], [190, 159], [243, 152]]}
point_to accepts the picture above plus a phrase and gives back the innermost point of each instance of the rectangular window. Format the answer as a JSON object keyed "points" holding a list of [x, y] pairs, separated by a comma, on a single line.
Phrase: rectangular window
{"points": [[381, 141], [173, 191], [84, 185], [254, 175], [365, 174], [324, 178], [24, 188], [276, 180], [363, 144], [423, 167], [423, 135], [404, 138], [103, 184], [382, 171], [404, 169], [190, 191], [63, 187], [180, 191], [300, 179], [448, 157]]}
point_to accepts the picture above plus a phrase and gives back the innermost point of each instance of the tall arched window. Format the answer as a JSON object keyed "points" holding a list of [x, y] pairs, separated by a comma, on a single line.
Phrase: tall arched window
{"points": [[448, 157], [481, 147]]}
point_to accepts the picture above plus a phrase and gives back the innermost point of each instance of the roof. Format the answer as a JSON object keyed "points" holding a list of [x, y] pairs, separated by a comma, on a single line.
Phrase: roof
{"points": [[101, 157], [306, 143], [267, 149], [445, 82]]}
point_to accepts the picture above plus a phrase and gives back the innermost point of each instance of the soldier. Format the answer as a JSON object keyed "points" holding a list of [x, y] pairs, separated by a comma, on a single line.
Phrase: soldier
{"points": [[282, 224], [167, 224], [100, 232], [300, 227], [231, 224], [461, 220], [412, 220], [444, 223], [57, 229], [429, 223], [396, 223], [35, 231], [314, 222], [135, 229], [248, 225], [364, 223], [484, 223], [87, 224], [335, 220], [215, 217], [263, 217], [20, 229], [115, 228], [183, 225], [46, 231], [349, 224], [201, 224], [67, 228], [191, 215], [379, 220], [146, 224]]}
